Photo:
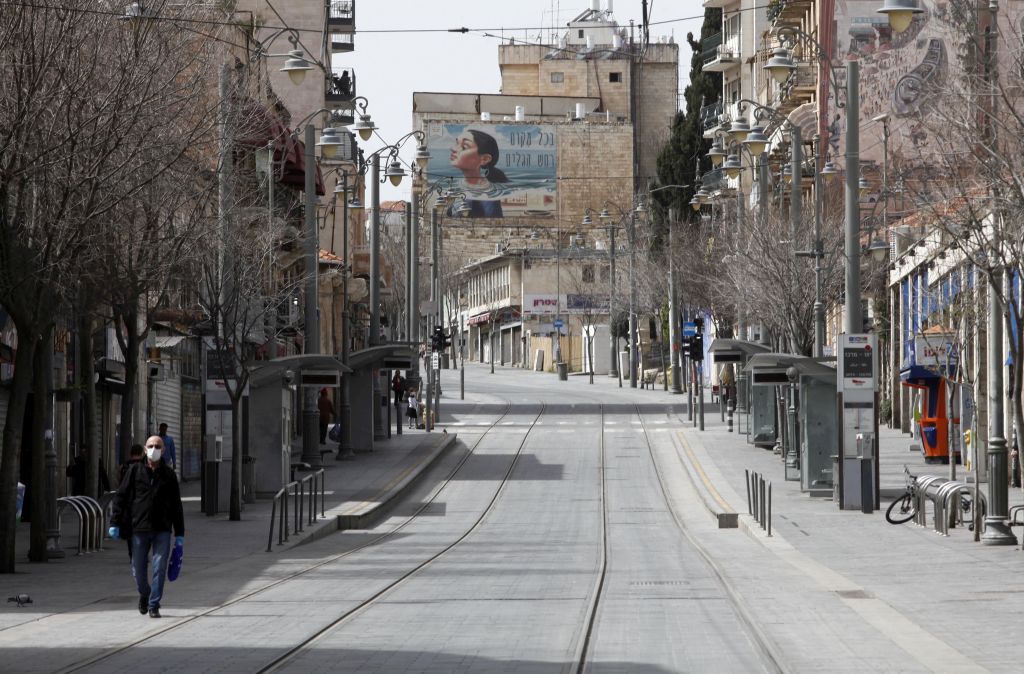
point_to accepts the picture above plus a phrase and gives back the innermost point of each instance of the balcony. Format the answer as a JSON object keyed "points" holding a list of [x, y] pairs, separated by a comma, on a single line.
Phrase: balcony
{"points": [[710, 118], [788, 12], [341, 13], [342, 42], [341, 87], [725, 56], [718, 4]]}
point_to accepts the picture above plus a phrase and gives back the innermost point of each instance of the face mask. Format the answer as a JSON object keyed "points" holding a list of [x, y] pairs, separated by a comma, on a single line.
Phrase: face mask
{"points": [[153, 453]]}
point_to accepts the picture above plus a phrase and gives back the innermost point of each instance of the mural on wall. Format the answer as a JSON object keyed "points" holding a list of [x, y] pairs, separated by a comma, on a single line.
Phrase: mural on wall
{"points": [[493, 170], [902, 75]]}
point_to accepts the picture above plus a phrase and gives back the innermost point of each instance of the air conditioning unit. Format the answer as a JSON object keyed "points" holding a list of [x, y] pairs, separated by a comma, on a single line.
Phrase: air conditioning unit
{"points": [[157, 371]]}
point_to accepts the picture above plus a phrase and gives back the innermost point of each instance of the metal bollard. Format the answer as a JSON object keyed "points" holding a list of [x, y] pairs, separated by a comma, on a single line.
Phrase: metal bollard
{"points": [[730, 407]]}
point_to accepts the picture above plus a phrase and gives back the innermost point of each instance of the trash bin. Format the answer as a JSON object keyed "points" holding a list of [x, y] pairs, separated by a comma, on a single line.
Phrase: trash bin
{"points": [[445, 361], [563, 371], [249, 479]]}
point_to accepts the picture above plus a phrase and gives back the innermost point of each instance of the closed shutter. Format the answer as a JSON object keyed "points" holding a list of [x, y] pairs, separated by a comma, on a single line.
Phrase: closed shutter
{"points": [[167, 406], [190, 439]]}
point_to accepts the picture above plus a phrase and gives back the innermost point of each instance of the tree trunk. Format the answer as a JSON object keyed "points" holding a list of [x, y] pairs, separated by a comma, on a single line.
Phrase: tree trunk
{"points": [[235, 504], [131, 374], [9, 463], [87, 379], [42, 383]]}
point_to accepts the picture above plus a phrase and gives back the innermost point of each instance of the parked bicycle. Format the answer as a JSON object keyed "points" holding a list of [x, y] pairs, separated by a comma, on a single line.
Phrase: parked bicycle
{"points": [[904, 508]]}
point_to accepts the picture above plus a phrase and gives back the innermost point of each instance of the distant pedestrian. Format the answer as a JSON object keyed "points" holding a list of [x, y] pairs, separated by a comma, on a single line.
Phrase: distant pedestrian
{"points": [[170, 455], [326, 409], [79, 469], [398, 386], [135, 455], [413, 410], [148, 504]]}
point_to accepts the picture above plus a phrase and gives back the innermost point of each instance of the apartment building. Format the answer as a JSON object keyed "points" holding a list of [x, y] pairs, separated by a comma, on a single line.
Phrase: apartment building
{"points": [[577, 126]]}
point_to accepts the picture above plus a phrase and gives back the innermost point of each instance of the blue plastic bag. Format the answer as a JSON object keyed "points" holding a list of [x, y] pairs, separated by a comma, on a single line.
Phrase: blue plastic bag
{"points": [[174, 566], [19, 501]]}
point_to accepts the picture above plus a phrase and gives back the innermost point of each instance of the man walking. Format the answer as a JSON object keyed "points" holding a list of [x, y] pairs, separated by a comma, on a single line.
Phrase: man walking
{"points": [[149, 502], [326, 409], [170, 456]]}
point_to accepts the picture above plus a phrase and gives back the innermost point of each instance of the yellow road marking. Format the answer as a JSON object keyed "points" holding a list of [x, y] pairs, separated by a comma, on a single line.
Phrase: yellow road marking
{"points": [[703, 476]]}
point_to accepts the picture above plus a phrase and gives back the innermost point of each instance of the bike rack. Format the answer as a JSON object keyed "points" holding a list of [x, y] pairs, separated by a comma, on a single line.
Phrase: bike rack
{"points": [[90, 521], [948, 492], [921, 485]]}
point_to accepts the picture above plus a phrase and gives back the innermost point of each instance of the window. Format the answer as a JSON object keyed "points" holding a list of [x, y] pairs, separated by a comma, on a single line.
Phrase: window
{"points": [[580, 34], [614, 77], [557, 78], [605, 274], [588, 273]]}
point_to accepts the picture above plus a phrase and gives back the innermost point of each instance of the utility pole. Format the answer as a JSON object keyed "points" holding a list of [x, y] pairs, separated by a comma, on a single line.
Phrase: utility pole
{"points": [[853, 322], [673, 312], [997, 528], [311, 316]]}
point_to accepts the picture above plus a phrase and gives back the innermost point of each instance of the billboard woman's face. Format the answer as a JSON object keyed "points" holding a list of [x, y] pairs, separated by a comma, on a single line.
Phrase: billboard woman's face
{"points": [[466, 156]]}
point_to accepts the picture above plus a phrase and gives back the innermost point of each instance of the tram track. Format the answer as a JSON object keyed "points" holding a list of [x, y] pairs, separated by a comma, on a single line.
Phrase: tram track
{"points": [[763, 645], [310, 568], [291, 654]]}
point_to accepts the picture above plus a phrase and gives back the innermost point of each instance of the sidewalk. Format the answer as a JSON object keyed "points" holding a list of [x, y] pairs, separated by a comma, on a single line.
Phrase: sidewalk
{"points": [[359, 490], [950, 601]]}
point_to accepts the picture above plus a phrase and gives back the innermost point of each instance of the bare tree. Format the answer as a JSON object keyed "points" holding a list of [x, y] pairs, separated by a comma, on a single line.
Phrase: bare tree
{"points": [[82, 99]]}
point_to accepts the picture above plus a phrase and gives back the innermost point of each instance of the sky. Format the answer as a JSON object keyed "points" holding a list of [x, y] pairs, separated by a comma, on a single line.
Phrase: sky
{"points": [[402, 46]]}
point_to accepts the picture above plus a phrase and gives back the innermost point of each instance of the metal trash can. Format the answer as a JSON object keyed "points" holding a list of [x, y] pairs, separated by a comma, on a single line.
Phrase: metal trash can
{"points": [[563, 371], [249, 479]]}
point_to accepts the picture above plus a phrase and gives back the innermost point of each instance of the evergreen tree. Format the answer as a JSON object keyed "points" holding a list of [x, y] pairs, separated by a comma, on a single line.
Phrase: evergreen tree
{"points": [[677, 160]]}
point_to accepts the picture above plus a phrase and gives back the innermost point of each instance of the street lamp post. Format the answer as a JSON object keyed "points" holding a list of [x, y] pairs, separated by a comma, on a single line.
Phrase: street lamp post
{"points": [[613, 340]]}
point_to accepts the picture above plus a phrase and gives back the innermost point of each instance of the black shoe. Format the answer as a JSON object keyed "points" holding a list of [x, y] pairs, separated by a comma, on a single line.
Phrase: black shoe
{"points": [[143, 604], [154, 612]]}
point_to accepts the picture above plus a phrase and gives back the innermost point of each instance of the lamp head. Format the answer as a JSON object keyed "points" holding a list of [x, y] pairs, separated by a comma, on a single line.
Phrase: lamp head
{"points": [[355, 205], [296, 66], [739, 130], [756, 141], [732, 166], [395, 173], [587, 222], [422, 156], [787, 173], [717, 152], [605, 216], [330, 143], [695, 203], [364, 127], [780, 65], [878, 250], [829, 169], [863, 186], [900, 13]]}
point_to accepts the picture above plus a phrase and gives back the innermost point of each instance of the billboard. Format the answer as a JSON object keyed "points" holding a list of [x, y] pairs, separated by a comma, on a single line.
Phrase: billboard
{"points": [[493, 170]]}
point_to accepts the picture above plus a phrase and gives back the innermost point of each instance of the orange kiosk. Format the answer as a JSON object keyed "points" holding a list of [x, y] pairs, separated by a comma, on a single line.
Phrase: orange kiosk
{"points": [[928, 362]]}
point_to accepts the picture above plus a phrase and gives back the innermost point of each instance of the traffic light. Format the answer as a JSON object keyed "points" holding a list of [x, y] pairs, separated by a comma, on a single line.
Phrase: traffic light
{"points": [[437, 339], [696, 347]]}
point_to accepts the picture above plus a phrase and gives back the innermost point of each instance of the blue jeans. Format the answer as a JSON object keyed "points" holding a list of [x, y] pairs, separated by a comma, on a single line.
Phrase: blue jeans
{"points": [[160, 543]]}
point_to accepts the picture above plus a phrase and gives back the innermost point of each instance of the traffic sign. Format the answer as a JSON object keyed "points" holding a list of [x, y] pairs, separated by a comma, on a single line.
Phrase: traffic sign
{"points": [[435, 361], [558, 323], [689, 329]]}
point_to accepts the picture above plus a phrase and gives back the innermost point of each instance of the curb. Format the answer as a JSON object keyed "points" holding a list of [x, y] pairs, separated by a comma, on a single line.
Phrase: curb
{"points": [[716, 505], [362, 514]]}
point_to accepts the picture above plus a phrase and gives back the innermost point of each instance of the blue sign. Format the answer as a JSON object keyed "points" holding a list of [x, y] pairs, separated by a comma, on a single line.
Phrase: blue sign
{"points": [[558, 323], [689, 329]]}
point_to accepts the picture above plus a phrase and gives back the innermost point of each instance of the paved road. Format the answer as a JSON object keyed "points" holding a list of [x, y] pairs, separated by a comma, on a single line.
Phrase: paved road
{"points": [[569, 530]]}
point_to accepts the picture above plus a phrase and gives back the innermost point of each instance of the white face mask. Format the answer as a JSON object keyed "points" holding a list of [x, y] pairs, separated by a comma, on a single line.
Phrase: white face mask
{"points": [[154, 453]]}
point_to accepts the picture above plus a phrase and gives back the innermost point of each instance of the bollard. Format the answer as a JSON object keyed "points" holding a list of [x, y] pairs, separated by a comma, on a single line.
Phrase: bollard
{"points": [[728, 420]]}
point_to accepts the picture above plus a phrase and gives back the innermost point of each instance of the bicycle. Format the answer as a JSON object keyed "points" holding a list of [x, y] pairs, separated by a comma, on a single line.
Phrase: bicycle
{"points": [[903, 509]]}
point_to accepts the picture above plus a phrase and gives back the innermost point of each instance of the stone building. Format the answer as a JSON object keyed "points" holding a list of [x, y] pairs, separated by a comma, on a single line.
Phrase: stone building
{"points": [[576, 128]]}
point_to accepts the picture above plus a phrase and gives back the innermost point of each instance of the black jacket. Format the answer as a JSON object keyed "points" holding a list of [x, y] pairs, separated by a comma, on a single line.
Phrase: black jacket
{"points": [[148, 500]]}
